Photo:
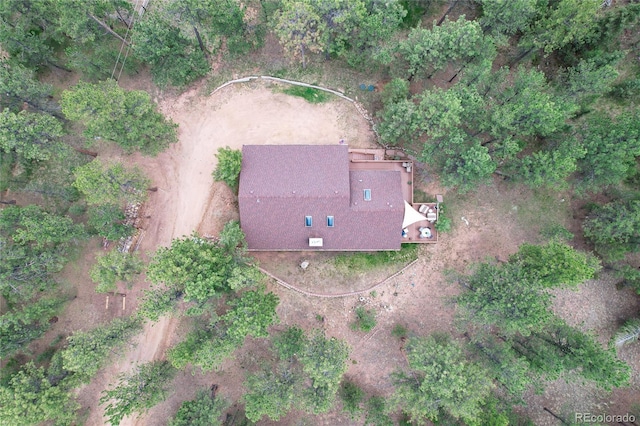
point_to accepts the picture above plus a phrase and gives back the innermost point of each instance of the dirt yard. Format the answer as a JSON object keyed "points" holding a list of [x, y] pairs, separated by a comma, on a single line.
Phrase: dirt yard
{"points": [[489, 224], [188, 200]]}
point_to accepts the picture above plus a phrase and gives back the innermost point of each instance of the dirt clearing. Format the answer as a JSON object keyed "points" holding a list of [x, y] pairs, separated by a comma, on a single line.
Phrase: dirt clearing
{"points": [[187, 199]]}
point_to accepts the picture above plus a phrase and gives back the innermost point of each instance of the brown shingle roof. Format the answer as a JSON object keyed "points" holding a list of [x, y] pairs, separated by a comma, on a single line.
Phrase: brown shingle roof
{"points": [[280, 185]]}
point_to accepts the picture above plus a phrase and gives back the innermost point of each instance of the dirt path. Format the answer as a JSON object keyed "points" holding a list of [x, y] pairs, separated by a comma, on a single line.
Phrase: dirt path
{"points": [[187, 199]]}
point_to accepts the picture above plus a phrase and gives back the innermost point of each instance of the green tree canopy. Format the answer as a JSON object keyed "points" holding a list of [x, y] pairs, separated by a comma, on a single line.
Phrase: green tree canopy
{"points": [[193, 265], [558, 348], [270, 393], [31, 397], [86, 352], [506, 16], [560, 23], [108, 221], [28, 32], [440, 379], [300, 29], [426, 51], [207, 348], [204, 410], [32, 136], [555, 264], [228, 167], [174, 58], [612, 146], [20, 326], [505, 297], [309, 368], [102, 183], [115, 266], [137, 392], [33, 246], [128, 118], [324, 361], [19, 85], [614, 228]]}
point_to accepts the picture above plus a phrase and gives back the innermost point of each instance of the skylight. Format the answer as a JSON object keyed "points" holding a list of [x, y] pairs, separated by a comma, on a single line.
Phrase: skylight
{"points": [[330, 221], [367, 195], [308, 221]]}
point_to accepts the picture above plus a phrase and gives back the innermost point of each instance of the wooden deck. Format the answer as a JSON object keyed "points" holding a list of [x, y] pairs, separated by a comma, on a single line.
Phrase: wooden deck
{"points": [[374, 159]]}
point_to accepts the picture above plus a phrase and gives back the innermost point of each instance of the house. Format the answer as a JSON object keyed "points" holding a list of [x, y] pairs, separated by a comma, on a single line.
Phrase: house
{"points": [[326, 197]]}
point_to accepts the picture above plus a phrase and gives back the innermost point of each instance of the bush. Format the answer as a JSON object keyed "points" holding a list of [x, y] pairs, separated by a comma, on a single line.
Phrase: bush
{"points": [[394, 91], [365, 320], [354, 262], [352, 397], [444, 222], [228, 168], [399, 331]]}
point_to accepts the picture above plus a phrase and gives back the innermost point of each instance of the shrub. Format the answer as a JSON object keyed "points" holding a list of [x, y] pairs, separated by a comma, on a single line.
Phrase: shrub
{"points": [[352, 398], [228, 168], [365, 320], [444, 222], [399, 331]]}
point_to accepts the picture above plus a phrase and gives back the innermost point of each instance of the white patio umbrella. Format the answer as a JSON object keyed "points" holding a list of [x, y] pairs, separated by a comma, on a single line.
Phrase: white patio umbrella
{"points": [[411, 216]]}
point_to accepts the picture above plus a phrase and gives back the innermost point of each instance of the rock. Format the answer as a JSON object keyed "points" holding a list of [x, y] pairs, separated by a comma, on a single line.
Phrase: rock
{"points": [[304, 265]]}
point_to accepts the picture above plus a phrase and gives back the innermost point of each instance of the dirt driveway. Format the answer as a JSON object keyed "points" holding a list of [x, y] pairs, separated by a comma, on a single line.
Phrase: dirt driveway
{"points": [[188, 200]]}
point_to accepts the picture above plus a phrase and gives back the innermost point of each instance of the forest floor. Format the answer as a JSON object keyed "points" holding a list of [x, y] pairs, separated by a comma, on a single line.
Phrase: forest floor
{"points": [[489, 223]]}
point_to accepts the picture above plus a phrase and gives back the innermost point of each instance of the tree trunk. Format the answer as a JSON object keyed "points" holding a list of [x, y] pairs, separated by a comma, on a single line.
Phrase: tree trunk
{"points": [[109, 30], [556, 416], [456, 74], [451, 6], [200, 43], [521, 57], [60, 67], [304, 61], [504, 175], [10, 202], [86, 152]]}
